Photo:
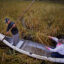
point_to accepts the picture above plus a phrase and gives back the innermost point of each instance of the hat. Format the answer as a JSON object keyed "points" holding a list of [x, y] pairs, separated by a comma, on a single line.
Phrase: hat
{"points": [[6, 20]]}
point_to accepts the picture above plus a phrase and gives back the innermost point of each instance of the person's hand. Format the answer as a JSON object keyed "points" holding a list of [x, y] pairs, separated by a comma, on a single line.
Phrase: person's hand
{"points": [[50, 37], [7, 33], [13, 26], [47, 47]]}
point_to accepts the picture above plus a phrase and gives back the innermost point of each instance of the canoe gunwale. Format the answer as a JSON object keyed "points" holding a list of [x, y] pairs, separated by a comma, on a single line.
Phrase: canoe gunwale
{"points": [[34, 55], [58, 60]]}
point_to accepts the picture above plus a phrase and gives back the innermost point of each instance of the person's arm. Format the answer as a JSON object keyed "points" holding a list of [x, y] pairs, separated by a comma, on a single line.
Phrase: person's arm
{"points": [[54, 50], [7, 33], [13, 25], [53, 38]]}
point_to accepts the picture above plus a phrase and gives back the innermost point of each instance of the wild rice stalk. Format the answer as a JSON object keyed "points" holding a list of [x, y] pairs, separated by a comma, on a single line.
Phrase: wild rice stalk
{"points": [[3, 58]]}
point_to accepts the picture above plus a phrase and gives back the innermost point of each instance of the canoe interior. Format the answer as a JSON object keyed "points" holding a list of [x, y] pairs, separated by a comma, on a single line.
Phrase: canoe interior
{"points": [[30, 46]]}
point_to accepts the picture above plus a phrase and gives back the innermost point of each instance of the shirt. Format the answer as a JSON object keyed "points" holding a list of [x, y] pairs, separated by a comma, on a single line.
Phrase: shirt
{"points": [[59, 49], [14, 30]]}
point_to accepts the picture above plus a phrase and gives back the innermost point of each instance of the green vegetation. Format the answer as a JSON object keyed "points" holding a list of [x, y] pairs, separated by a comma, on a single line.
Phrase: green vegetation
{"points": [[43, 18]]}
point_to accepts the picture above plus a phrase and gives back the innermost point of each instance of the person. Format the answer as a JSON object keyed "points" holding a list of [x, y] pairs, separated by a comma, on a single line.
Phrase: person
{"points": [[58, 51], [12, 26]]}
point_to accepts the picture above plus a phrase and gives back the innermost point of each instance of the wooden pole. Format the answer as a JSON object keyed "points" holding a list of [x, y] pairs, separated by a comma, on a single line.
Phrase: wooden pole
{"points": [[21, 16]]}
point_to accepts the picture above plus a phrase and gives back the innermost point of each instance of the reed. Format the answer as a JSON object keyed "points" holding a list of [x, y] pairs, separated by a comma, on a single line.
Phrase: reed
{"points": [[41, 20]]}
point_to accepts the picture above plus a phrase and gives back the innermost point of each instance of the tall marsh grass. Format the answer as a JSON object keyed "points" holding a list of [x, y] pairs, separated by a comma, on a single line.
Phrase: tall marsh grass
{"points": [[41, 20]]}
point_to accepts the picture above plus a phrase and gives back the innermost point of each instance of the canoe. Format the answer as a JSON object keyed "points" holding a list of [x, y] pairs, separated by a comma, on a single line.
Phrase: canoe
{"points": [[30, 48]]}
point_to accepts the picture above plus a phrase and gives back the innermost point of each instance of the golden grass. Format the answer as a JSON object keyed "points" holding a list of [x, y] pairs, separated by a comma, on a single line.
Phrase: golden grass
{"points": [[41, 20]]}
